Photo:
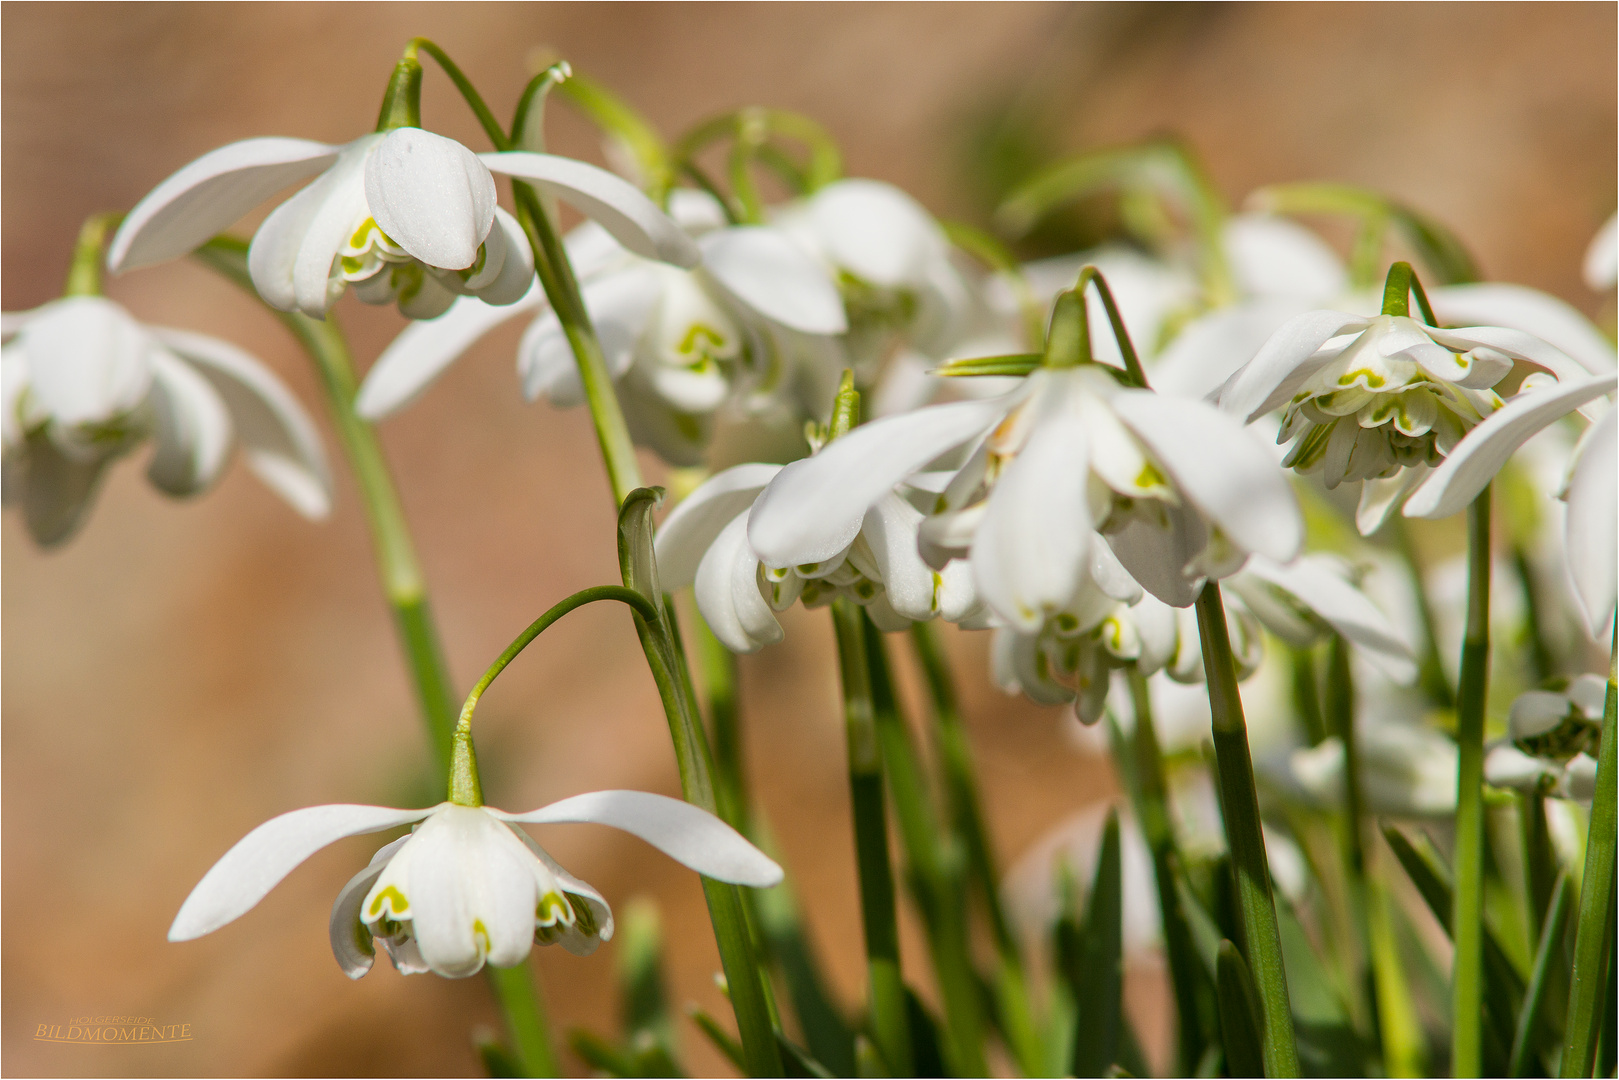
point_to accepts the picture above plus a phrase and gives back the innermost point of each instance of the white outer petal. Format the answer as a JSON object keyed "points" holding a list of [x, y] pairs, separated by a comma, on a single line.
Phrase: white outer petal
{"points": [[277, 436], [1592, 537], [762, 269], [1268, 379], [259, 861], [1210, 348], [1272, 256], [1601, 267], [1515, 343], [426, 347], [619, 206], [875, 231], [909, 583], [693, 526], [89, 361], [1220, 468], [688, 834], [1530, 310], [813, 508], [1484, 450], [431, 195], [209, 195], [727, 592], [1313, 580], [1032, 549], [191, 427]]}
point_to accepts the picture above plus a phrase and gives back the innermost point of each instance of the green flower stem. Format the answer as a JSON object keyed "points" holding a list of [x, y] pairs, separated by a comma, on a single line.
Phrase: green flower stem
{"points": [[562, 289], [937, 864], [84, 272], [1340, 714], [1547, 953], [890, 1025], [405, 588], [1193, 1016], [1398, 1026], [1262, 944], [524, 1012], [717, 666], [1467, 975], [1593, 936], [967, 820], [1431, 670]]}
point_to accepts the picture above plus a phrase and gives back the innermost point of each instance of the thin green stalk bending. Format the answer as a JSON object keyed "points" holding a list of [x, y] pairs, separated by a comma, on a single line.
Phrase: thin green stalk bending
{"points": [[405, 588], [1262, 943], [1467, 972], [890, 1024], [1593, 937], [967, 820]]}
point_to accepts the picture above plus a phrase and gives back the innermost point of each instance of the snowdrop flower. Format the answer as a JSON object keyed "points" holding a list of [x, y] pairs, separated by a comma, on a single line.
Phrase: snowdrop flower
{"points": [[1180, 492], [82, 383], [1552, 741], [679, 343], [1405, 770], [467, 886], [704, 543], [405, 216], [1590, 532], [1075, 652], [1380, 400]]}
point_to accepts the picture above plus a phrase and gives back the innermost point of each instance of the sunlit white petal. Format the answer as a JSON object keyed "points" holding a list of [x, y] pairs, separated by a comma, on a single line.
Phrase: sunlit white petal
{"points": [[764, 270], [693, 526]]}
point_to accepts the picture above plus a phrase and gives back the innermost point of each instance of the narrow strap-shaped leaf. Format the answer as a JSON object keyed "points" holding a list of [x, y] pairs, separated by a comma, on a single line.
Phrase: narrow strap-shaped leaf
{"points": [[1098, 983], [1593, 938], [1239, 1009], [1546, 955], [1015, 364], [591, 1048], [717, 1035]]}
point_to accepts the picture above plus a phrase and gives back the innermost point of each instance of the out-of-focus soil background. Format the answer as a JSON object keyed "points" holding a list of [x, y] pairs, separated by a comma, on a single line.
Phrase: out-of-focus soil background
{"points": [[181, 672]]}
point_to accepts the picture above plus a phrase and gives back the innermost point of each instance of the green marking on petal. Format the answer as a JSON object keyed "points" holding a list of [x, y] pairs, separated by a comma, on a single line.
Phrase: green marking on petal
{"points": [[395, 900]]}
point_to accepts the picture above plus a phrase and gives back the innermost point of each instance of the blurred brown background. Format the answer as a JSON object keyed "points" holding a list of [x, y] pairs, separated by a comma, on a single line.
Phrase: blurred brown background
{"points": [[180, 673]]}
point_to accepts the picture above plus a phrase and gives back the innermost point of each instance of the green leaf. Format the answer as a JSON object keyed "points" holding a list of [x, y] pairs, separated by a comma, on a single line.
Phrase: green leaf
{"points": [[1503, 987], [593, 1050], [1546, 955], [722, 1040], [1097, 980], [497, 1060], [798, 1060], [1328, 1042], [635, 530], [1239, 1012], [927, 1041]]}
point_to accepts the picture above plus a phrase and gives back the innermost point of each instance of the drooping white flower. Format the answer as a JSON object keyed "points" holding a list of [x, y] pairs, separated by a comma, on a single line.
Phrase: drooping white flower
{"points": [[1591, 535], [82, 383], [1552, 741], [1602, 257], [1406, 770], [1181, 493], [467, 886], [704, 543], [404, 216], [1380, 400], [679, 343]]}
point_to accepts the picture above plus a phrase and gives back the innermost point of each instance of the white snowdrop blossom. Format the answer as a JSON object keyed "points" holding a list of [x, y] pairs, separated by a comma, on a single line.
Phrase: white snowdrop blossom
{"points": [[704, 543], [1553, 737], [405, 216], [1591, 535], [1381, 400], [1601, 269], [680, 343], [1180, 493], [1074, 653], [82, 383], [467, 886]]}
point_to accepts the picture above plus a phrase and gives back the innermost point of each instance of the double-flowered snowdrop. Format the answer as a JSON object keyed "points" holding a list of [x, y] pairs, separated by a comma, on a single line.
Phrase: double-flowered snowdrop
{"points": [[1382, 399], [1552, 741], [680, 343], [404, 216], [83, 383], [704, 543], [1179, 492], [467, 886], [1072, 656]]}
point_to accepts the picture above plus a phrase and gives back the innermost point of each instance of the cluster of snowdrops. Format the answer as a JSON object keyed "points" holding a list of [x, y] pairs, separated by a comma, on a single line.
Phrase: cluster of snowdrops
{"points": [[1199, 455]]}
